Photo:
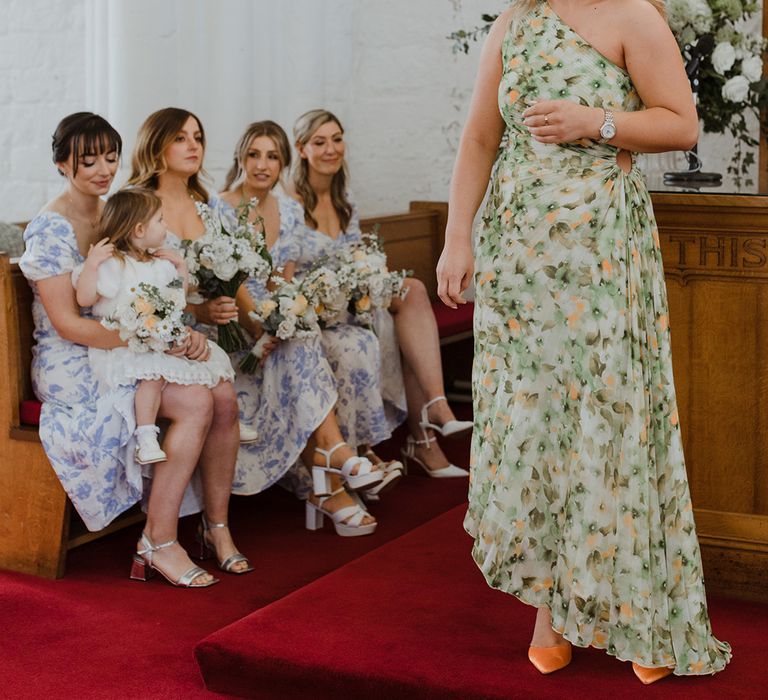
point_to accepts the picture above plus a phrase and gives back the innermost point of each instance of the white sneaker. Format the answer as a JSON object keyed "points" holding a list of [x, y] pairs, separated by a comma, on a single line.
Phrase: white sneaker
{"points": [[148, 450], [248, 434]]}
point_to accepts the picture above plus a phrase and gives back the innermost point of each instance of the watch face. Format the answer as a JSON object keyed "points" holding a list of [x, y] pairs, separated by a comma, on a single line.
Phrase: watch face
{"points": [[607, 131]]}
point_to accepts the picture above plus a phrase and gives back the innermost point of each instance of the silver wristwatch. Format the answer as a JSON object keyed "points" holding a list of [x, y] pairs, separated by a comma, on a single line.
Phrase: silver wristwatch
{"points": [[608, 129]]}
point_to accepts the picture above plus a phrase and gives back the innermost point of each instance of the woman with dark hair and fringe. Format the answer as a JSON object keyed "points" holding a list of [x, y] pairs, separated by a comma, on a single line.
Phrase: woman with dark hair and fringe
{"points": [[87, 431]]}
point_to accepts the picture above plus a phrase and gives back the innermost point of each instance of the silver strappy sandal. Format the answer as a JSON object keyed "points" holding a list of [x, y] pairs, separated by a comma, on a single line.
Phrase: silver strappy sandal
{"points": [[143, 569]]}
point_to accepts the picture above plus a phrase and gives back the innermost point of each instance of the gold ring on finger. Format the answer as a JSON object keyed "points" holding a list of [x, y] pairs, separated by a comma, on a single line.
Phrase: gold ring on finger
{"points": [[546, 120]]}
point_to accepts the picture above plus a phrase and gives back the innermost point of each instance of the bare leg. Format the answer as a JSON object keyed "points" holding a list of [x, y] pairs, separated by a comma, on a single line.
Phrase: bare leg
{"points": [[325, 437], [189, 408], [217, 468], [543, 634], [430, 454], [420, 345], [147, 400]]}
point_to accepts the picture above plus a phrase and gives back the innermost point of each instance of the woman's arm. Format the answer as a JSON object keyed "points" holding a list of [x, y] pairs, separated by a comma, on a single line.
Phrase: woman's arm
{"points": [[477, 151], [58, 298], [669, 121]]}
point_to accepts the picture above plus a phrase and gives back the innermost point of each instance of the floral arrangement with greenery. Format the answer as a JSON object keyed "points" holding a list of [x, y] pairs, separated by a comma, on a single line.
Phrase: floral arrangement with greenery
{"points": [[730, 76]]}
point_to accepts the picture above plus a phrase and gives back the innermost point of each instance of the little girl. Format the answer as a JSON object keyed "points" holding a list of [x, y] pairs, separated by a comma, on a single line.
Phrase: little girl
{"points": [[108, 280]]}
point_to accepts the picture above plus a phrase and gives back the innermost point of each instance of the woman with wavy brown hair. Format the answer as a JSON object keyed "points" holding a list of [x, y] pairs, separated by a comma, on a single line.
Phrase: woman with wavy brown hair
{"points": [[413, 388]]}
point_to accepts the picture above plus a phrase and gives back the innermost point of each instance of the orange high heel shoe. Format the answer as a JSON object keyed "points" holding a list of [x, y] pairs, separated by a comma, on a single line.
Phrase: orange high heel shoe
{"points": [[550, 659], [651, 675]]}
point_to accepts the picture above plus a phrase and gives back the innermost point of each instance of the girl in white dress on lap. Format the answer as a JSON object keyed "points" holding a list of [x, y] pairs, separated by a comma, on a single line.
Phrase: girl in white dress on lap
{"points": [[132, 254]]}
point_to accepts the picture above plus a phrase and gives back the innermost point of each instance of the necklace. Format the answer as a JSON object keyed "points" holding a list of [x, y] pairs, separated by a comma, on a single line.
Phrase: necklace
{"points": [[74, 214]]}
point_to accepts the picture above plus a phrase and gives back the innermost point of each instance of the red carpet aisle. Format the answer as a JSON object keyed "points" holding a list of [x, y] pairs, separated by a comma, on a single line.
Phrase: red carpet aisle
{"points": [[419, 623], [95, 634]]}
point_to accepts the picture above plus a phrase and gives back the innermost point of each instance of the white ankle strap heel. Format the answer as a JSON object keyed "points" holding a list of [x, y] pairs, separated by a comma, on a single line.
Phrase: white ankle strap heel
{"points": [[409, 453], [366, 476], [348, 521], [452, 428]]}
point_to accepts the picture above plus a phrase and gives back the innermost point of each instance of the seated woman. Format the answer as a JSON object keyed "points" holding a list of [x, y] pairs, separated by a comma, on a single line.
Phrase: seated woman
{"points": [[87, 430], [319, 185], [291, 400]]}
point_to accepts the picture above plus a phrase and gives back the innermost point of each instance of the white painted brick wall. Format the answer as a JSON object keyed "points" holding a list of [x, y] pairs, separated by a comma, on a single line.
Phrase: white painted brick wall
{"points": [[42, 78]]}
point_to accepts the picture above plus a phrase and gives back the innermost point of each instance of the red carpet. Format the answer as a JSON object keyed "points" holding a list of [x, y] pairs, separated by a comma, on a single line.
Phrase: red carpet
{"points": [[414, 619], [96, 634]]}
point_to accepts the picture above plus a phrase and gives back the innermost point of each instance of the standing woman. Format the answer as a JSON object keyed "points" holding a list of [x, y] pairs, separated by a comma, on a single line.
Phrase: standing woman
{"points": [[168, 159], [579, 503], [86, 430], [296, 400], [332, 221]]}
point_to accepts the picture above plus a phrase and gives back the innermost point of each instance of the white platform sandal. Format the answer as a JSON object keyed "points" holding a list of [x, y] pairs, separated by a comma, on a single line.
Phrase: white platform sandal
{"points": [[366, 477], [348, 521], [409, 453], [452, 428]]}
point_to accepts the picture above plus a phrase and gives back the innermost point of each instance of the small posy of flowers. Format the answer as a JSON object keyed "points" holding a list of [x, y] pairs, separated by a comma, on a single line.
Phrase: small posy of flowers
{"points": [[369, 283], [231, 250], [286, 312], [150, 319], [329, 295]]}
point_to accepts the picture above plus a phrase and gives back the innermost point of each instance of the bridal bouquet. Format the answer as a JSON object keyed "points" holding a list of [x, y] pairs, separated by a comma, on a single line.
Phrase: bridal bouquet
{"points": [[363, 272], [230, 251], [286, 313], [330, 296], [150, 320]]}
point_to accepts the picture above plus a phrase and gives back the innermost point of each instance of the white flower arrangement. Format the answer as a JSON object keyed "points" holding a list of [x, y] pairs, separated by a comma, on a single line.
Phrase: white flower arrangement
{"points": [[368, 282], [230, 251], [330, 295], [287, 312], [731, 82], [151, 318]]}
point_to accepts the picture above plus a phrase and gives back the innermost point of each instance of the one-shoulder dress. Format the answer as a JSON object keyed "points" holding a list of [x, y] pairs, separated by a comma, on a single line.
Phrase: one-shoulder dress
{"points": [[579, 499]]}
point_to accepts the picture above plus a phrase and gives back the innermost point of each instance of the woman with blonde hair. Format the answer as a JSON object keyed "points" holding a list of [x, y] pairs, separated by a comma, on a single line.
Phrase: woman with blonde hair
{"points": [[415, 387], [579, 503], [262, 155], [169, 159]]}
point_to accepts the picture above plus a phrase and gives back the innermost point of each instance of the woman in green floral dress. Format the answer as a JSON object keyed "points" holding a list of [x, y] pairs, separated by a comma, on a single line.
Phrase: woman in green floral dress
{"points": [[579, 502]]}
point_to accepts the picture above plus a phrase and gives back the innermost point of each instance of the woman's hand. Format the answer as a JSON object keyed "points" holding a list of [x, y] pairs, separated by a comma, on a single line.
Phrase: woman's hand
{"points": [[215, 312], [563, 121], [269, 345], [454, 273]]}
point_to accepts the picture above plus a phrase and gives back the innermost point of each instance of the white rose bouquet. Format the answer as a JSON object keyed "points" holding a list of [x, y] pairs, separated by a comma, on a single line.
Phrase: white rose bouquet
{"points": [[287, 312], [370, 285], [230, 251], [151, 318]]}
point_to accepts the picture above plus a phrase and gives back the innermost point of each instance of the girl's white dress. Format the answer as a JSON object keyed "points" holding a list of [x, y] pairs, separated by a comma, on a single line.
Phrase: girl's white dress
{"points": [[123, 366]]}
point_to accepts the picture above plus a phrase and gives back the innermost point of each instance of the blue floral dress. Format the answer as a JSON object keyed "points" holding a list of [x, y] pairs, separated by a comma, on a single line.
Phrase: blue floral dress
{"points": [[87, 432], [344, 344]]}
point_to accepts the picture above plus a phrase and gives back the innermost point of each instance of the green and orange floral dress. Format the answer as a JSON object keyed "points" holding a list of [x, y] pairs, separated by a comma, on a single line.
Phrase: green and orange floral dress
{"points": [[579, 499]]}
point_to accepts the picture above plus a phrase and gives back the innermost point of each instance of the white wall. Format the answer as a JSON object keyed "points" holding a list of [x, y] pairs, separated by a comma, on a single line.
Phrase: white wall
{"points": [[384, 66]]}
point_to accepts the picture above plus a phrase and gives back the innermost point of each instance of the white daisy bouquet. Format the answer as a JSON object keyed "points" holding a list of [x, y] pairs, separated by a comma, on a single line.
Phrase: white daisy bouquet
{"points": [[370, 285], [330, 296], [151, 318], [286, 312], [230, 251]]}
